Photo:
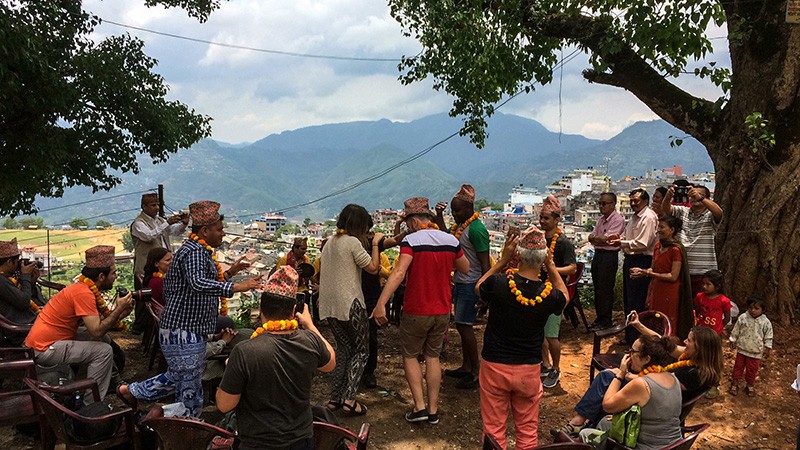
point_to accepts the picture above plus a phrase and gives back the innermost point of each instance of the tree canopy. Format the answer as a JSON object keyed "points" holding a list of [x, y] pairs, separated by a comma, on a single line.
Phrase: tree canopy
{"points": [[74, 111]]}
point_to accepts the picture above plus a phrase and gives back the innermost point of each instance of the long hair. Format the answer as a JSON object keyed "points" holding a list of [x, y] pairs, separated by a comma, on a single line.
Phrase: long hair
{"points": [[708, 355], [355, 219], [153, 257]]}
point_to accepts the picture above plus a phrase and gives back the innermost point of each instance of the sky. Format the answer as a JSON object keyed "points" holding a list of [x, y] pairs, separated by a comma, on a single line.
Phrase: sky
{"points": [[251, 94]]}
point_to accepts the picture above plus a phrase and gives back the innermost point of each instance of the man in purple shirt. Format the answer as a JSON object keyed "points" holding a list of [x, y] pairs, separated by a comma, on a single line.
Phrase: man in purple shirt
{"points": [[606, 258]]}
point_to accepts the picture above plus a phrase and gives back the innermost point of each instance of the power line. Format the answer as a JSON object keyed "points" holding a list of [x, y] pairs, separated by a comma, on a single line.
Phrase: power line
{"points": [[253, 49], [93, 200]]}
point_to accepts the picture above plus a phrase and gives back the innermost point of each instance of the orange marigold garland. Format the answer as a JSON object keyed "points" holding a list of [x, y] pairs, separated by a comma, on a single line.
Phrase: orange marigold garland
{"points": [[429, 225], [341, 231], [223, 301], [158, 275], [682, 362], [458, 230], [275, 325], [548, 287], [102, 307], [553, 242], [34, 307]]}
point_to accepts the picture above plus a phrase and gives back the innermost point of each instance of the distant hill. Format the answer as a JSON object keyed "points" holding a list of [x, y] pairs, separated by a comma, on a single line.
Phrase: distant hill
{"points": [[294, 167]]}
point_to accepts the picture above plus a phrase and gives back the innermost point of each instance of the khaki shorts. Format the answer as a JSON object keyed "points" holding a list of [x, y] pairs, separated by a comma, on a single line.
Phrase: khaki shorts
{"points": [[422, 334]]}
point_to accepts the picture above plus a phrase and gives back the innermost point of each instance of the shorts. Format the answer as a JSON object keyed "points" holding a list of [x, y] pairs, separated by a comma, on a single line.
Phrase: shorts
{"points": [[464, 300], [422, 334], [552, 326]]}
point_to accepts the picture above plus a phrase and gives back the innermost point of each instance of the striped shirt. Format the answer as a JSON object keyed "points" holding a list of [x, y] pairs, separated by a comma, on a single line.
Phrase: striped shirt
{"points": [[697, 238], [428, 287], [192, 292]]}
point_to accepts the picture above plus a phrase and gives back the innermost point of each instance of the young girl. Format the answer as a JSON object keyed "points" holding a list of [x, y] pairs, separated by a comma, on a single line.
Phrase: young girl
{"points": [[752, 337], [712, 308]]}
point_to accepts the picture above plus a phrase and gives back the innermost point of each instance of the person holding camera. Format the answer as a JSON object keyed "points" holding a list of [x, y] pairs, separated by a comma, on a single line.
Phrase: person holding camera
{"points": [[55, 337], [268, 379], [193, 286], [700, 221], [20, 298], [149, 231]]}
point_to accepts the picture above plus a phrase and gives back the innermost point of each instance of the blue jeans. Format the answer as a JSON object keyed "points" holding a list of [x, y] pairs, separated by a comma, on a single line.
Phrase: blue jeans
{"points": [[591, 404], [185, 353], [465, 300]]}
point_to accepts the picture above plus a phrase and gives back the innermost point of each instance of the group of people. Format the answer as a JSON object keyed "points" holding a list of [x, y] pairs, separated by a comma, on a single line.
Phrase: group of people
{"points": [[441, 269]]}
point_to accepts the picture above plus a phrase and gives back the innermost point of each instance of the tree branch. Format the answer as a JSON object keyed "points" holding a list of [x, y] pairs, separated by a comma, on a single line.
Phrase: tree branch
{"points": [[631, 72]]}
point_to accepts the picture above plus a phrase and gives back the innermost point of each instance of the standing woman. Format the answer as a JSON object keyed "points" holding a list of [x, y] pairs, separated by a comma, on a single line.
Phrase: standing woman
{"points": [[670, 291], [341, 301]]}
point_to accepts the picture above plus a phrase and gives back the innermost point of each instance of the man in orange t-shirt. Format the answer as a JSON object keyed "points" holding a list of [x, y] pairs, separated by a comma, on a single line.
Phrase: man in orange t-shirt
{"points": [[54, 336]]}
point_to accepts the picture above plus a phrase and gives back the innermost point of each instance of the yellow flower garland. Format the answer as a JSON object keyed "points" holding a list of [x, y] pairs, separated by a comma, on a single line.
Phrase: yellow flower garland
{"points": [[102, 307], [460, 230], [682, 362], [275, 325], [158, 275], [548, 287], [553, 242], [223, 301], [34, 307], [341, 231]]}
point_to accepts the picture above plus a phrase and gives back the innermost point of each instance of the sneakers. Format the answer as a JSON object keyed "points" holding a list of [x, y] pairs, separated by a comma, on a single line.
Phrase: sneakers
{"points": [[551, 380], [750, 391], [419, 416], [568, 429], [734, 389], [545, 371], [433, 419], [468, 381]]}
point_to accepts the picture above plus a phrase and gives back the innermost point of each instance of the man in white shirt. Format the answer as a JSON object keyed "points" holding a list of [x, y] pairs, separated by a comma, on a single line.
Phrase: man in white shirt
{"points": [[150, 231]]}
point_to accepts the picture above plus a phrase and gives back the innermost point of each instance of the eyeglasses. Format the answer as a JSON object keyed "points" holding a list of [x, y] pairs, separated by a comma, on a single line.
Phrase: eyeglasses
{"points": [[632, 351]]}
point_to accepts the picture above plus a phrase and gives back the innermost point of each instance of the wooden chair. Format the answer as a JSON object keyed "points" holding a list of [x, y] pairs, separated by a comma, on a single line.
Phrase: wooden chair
{"points": [[574, 295], [654, 320], [155, 310], [329, 437], [683, 444], [175, 433], [56, 416]]}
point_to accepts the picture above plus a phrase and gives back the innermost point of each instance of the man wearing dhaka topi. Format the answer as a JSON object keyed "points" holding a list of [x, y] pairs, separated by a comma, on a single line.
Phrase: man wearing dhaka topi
{"points": [[54, 336], [474, 240], [194, 287]]}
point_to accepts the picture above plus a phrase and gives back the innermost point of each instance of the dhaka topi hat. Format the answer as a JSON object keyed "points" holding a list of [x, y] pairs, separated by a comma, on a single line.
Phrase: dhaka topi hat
{"points": [[150, 196], [204, 212], [417, 205], [466, 193], [532, 239], [9, 249], [100, 257], [551, 205], [283, 282]]}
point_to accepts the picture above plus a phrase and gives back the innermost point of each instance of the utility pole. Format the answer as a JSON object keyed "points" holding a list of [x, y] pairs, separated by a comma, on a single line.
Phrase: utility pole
{"points": [[161, 200], [49, 265]]}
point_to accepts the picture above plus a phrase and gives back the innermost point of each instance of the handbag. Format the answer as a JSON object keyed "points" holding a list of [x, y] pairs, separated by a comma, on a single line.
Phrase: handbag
{"points": [[625, 426]]}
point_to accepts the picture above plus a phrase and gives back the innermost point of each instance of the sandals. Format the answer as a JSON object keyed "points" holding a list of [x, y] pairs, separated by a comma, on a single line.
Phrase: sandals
{"points": [[127, 398], [356, 409], [750, 391], [734, 390], [333, 406]]}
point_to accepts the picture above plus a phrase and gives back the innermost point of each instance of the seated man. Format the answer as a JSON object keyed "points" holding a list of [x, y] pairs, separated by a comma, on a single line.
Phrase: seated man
{"points": [[54, 336], [296, 256], [268, 379], [20, 298]]}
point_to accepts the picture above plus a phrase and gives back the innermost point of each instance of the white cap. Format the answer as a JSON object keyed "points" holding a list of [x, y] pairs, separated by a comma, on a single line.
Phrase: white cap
{"points": [[796, 384]]}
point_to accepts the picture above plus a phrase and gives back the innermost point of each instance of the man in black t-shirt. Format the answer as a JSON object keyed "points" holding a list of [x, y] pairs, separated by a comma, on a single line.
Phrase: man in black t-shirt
{"points": [[563, 254], [520, 305], [268, 379]]}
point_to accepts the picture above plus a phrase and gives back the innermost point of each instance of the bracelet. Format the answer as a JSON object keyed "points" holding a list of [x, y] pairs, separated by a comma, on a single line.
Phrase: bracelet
{"points": [[621, 380]]}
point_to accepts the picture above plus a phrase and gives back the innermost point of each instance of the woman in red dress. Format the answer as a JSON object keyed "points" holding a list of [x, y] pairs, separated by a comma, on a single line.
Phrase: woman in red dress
{"points": [[154, 270], [666, 293]]}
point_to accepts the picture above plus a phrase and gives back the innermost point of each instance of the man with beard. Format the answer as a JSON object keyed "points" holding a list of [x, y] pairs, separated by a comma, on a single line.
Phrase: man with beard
{"points": [[54, 336]]}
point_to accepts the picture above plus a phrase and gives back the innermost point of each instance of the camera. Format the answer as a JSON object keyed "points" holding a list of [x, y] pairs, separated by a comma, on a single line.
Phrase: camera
{"points": [[142, 295], [681, 191], [27, 261]]}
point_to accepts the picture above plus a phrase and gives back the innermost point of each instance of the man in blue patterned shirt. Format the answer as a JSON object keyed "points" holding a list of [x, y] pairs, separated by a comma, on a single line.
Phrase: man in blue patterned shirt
{"points": [[193, 286]]}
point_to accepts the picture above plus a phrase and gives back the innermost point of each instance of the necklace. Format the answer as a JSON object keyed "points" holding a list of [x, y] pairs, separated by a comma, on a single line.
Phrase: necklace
{"points": [[158, 275], [223, 302], [34, 307], [341, 231], [553, 242], [275, 325], [459, 230], [548, 287], [429, 225], [102, 307], [683, 361]]}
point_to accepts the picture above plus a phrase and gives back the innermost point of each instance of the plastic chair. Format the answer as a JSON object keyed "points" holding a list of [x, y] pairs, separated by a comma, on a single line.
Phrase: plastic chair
{"points": [[176, 433], [688, 405], [9, 328], [18, 406], [50, 284], [330, 437], [574, 297], [683, 444], [155, 310], [55, 414], [490, 443], [654, 320]]}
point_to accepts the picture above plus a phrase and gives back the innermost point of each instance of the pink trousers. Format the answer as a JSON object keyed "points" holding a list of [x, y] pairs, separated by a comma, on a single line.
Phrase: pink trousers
{"points": [[518, 386]]}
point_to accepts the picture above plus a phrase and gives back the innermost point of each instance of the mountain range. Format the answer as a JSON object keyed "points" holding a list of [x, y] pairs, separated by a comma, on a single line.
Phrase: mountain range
{"points": [[335, 164]]}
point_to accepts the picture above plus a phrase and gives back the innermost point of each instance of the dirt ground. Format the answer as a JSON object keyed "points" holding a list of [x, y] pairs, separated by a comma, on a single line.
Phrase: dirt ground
{"points": [[768, 421]]}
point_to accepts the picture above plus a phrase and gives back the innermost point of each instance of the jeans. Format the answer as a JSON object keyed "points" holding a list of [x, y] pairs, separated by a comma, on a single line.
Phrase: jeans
{"points": [[604, 275], [635, 290], [591, 404]]}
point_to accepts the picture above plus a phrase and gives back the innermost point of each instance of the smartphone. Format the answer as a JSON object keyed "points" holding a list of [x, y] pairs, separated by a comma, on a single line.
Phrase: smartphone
{"points": [[629, 318]]}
